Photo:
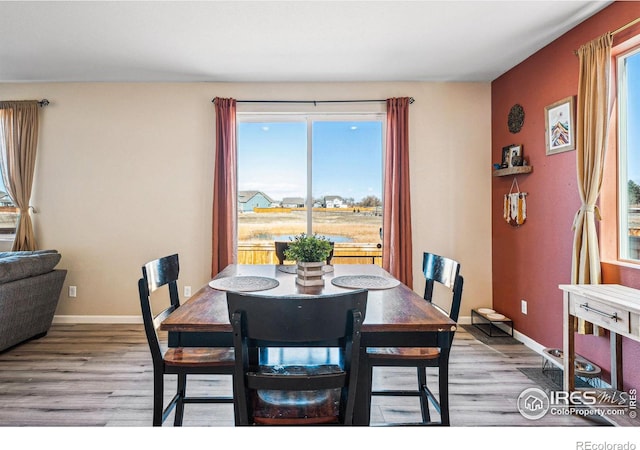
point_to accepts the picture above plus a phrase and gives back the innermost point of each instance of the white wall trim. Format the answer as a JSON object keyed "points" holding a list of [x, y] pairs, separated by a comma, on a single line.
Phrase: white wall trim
{"points": [[464, 320], [97, 319]]}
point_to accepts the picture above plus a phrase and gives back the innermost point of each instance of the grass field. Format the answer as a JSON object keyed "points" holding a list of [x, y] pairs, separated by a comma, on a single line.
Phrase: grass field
{"points": [[362, 227]]}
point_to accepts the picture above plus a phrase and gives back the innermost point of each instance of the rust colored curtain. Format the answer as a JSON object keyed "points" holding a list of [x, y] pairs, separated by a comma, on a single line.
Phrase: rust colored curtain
{"points": [[396, 237], [592, 123], [19, 123], [224, 187]]}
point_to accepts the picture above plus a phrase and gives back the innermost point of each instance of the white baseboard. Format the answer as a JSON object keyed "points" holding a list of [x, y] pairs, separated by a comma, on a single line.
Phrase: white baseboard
{"points": [[97, 319]]}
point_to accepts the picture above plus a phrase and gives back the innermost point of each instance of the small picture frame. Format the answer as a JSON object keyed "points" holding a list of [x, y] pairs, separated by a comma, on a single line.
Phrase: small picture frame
{"points": [[506, 156], [515, 156], [559, 126]]}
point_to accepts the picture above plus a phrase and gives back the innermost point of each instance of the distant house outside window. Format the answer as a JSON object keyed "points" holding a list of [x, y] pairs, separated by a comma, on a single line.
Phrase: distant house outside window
{"points": [[310, 174], [629, 154]]}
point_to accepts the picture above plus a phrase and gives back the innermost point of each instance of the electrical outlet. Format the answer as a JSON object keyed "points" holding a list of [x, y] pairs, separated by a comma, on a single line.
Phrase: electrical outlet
{"points": [[72, 291], [187, 291], [523, 306]]}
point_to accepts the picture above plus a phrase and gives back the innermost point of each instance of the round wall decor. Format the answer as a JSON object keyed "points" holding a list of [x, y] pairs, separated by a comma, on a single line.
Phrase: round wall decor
{"points": [[516, 118]]}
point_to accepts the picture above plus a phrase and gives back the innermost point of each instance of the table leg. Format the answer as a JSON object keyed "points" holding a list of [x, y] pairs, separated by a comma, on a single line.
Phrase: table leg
{"points": [[616, 360], [568, 346]]}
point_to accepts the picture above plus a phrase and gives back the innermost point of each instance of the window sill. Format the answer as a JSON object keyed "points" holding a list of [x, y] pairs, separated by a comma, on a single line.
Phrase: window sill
{"points": [[627, 264]]}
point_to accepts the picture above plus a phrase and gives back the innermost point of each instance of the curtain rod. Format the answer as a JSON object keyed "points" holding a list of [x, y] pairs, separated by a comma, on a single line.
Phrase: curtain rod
{"points": [[44, 102], [315, 102], [619, 30], [624, 27]]}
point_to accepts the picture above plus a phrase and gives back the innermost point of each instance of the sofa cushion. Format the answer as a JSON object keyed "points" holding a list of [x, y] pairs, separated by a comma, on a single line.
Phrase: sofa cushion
{"points": [[26, 253], [27, 265]]}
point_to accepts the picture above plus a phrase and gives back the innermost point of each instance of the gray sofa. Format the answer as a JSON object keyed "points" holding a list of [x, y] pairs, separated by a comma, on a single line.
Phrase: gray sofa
{"points": [[29, 292]]}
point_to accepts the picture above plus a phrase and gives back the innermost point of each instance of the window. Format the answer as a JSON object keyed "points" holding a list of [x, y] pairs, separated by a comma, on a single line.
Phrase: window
{"points": [[629, 153], [8, 211], [310, 174]]}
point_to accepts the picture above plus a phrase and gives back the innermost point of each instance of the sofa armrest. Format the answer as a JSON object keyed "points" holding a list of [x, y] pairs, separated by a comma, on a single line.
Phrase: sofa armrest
{"points": [[27, 307]]}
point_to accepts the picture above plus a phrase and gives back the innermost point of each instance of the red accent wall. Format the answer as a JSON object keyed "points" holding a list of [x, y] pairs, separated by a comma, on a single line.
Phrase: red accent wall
{"points": [[530, 262]]}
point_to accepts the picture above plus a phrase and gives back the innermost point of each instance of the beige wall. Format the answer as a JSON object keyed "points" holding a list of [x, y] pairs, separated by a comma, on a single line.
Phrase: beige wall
{"points": [[124, 175]]}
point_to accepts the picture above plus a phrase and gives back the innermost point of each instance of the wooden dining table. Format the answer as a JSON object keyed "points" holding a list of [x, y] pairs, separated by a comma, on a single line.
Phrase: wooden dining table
{"points": [[396, 316]]}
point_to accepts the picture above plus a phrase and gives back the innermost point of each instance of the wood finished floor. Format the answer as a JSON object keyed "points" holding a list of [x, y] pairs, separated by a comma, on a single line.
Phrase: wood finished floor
{"points": [[101, 375]]}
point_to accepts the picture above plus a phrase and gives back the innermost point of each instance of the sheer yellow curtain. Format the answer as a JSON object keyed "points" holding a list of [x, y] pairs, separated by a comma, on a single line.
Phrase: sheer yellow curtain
{"points": [[592, 118], [19, 122], [396, 237]]}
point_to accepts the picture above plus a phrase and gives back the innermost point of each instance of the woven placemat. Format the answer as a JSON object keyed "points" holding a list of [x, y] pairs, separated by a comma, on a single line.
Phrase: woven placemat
{"points": [[244, 283], [365, 282]]}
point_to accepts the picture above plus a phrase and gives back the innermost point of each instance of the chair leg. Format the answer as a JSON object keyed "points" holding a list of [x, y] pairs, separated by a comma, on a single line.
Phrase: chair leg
{"points": [[424, 399], [443, 382], [181, 393], [158, 397]]}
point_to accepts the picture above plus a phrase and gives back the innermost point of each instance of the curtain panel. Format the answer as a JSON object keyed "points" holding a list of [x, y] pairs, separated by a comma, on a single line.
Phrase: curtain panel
{"points": [[396, 238], [19, 122], [592, 123], [224, 250]]}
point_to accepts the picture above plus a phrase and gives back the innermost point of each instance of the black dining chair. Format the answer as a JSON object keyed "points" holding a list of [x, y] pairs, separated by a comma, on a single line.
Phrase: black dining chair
{"points": [[281, 246], [299, 390], [446, 272], [180, 361]]}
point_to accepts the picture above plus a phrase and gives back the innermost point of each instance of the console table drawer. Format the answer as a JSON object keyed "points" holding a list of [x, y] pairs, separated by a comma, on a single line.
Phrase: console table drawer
{"points": [[610, 306], [600, 313]]}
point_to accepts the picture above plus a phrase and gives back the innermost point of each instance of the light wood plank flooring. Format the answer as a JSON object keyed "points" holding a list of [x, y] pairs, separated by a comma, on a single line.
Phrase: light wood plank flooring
{"points": [[101, 375]]}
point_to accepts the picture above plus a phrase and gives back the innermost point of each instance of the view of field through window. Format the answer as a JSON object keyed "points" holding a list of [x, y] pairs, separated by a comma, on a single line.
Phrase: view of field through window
{"points": [[305, 175], [629, 90]]}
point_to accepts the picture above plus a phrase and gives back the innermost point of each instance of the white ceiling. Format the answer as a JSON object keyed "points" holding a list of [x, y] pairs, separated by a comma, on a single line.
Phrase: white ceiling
{"points": [[283, 41]]}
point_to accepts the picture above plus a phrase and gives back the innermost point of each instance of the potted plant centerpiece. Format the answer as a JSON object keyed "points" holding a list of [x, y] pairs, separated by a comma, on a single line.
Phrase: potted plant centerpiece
{"points": [[310, 254]]}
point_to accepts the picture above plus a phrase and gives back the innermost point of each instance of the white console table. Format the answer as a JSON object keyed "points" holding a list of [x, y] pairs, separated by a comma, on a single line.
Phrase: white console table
{"points": [[611, 306]]}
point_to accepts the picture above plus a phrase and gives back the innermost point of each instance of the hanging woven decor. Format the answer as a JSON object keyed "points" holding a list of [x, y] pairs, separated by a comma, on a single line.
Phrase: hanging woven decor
{"points": [[515, 205]]}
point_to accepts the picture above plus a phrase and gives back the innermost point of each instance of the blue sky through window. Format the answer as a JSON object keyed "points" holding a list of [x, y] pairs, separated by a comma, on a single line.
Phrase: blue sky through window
{"points": [[272, 158], [347, 158]]}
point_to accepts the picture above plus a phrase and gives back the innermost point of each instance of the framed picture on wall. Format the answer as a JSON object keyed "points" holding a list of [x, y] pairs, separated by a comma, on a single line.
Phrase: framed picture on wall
{"points": [[515, 155], [506, 156], [559, 124]]}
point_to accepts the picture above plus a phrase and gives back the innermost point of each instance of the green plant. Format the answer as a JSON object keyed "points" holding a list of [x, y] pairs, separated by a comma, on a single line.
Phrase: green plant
{"points": [[305, 248]]}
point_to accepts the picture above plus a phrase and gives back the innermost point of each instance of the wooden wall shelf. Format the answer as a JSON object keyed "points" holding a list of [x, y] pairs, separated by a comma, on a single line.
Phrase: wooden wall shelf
{"points": [[512, 171]]}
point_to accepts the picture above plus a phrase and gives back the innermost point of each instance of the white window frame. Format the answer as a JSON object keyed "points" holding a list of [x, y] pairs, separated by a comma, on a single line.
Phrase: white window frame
{"points": [[622, 150]]}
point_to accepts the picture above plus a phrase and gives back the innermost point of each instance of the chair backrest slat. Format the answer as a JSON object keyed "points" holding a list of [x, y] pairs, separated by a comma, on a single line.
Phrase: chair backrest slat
{"points": [[440, 269], [161, 271], [296, 319]]}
